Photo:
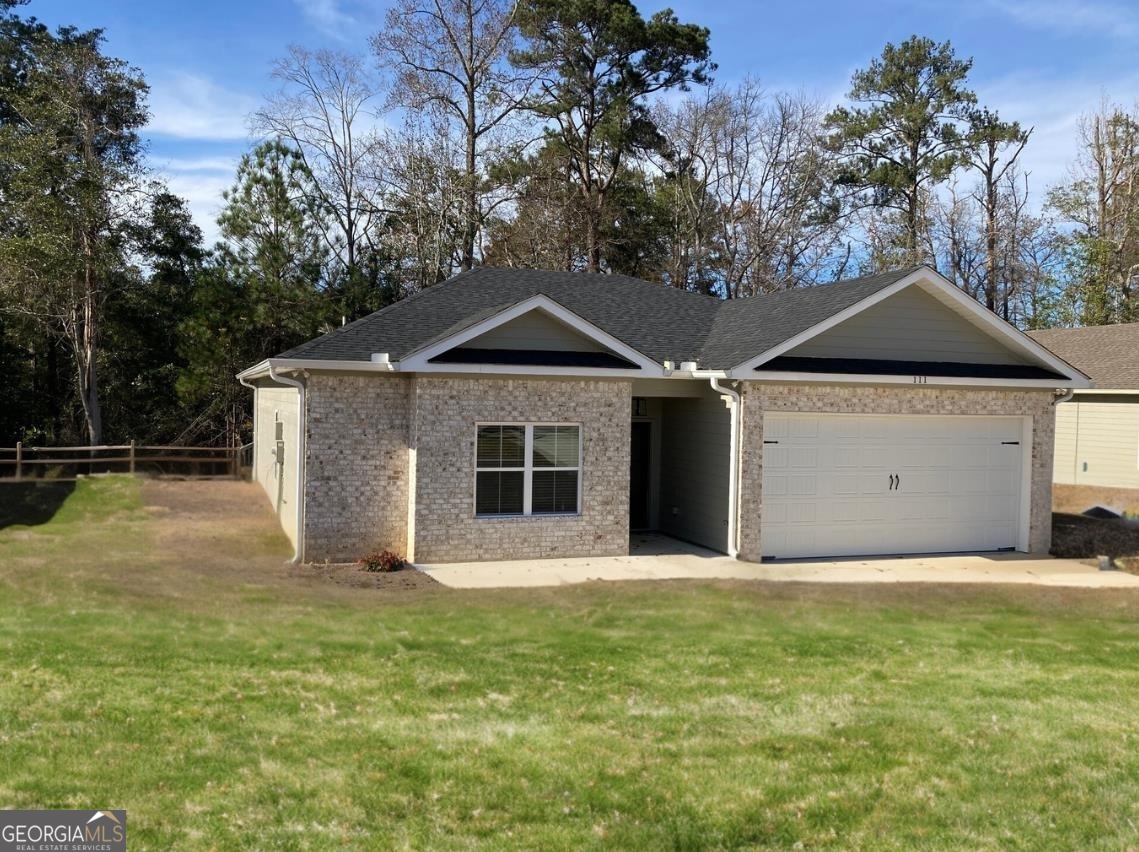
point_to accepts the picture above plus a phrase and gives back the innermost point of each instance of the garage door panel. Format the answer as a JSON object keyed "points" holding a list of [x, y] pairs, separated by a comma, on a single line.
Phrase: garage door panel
{"points": [[774, 457], [802, 485], [847, 484], [876, 457], [1003, 482], [874, 510], [969, 482], [841, 485], [800, 457]]}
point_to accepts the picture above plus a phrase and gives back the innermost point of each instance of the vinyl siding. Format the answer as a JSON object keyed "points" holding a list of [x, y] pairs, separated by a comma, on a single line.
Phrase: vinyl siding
{"points": [[275, 403], [1064, 456], [1097, 443], [695, 439], [534, 330], [909, 326]]}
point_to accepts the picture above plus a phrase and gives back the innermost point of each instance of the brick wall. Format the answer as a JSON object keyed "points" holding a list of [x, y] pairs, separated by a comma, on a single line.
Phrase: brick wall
{"points": [[445, 414], [760, 397], [356, 490]]}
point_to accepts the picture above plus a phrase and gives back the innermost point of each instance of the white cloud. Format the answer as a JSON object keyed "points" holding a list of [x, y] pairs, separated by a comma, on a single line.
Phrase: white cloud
{"points": [[201, 182], [1052, 107], [328, 17], [188, 106], [1116, 21]]}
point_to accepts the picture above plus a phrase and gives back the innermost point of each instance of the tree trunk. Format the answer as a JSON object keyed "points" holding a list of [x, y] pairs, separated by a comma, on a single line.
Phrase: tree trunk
{"points": [[85, 343], [991, 284], [470, 188], [595, 204]]}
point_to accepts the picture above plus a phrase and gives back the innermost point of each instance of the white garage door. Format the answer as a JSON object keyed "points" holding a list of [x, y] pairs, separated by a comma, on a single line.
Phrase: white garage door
{"points": [[847, 485]]}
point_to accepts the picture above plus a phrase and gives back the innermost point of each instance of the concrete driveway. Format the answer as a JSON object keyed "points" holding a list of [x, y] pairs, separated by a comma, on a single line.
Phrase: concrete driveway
{"points": [[654, 557]]}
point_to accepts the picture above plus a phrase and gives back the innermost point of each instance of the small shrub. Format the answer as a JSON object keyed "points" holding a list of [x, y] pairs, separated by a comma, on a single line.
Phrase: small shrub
{"points": [[382, 561]]}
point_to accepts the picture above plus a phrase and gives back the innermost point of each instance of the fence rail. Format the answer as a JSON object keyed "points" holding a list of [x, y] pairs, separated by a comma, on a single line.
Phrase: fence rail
{"points": [[21, 463]]}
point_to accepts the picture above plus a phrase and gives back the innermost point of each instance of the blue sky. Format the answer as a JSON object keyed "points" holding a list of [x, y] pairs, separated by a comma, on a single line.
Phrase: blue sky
{"points": [[1040, 62]]}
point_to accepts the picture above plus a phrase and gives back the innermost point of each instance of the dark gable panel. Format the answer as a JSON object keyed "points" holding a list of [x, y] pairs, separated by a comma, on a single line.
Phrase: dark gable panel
{"points": [[873, 367], [535, 358]]}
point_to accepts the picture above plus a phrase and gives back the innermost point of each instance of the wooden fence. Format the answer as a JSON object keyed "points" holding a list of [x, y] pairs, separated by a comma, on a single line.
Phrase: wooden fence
{"points": [[22, 463]]}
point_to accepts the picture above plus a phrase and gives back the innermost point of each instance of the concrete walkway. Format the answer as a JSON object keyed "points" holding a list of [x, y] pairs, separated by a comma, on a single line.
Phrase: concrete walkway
{"points": [[654, 557]]}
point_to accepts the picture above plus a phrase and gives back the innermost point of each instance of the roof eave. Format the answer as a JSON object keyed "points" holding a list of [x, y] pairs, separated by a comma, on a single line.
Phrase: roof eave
{"points": [[776, 376]]}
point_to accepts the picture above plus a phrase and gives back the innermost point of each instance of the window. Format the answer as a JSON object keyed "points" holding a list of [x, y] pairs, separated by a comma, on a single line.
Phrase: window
{"points": [[527, 469]]}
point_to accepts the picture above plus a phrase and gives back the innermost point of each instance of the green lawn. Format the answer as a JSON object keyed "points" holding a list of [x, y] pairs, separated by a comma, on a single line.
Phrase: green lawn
{"points": [[228, 704]]}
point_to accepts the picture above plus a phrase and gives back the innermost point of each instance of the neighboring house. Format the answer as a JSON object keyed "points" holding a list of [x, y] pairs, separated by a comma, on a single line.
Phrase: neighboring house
{"points": [[1097, 432], [509, 413]]}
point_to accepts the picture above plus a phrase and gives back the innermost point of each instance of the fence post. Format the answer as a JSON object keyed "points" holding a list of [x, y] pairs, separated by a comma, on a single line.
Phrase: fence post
{"points": [[19, 458], [132, 456]]}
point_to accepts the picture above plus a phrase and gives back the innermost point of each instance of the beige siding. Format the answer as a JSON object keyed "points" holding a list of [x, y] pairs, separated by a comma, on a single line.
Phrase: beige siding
{"points": [[908, 326], [695, 439], [1064, 458], [275, 466], [534, 330], [1102, 443]]}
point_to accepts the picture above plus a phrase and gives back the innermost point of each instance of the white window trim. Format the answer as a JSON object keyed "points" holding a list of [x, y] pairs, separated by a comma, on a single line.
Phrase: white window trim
{"points": [[527, 470]]}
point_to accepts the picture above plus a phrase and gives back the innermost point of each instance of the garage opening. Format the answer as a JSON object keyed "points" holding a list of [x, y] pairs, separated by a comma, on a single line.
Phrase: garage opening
{"points": [[853, 485]]}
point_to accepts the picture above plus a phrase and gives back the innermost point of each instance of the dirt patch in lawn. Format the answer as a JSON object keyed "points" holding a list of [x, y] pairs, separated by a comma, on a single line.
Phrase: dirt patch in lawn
{"points": [[406, 579], [227, 529], [1078, 536]]}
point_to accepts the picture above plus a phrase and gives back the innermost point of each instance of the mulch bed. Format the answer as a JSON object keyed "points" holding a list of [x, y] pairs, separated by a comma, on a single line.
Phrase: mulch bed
{"points": [[405, 579], [1088, 538]]}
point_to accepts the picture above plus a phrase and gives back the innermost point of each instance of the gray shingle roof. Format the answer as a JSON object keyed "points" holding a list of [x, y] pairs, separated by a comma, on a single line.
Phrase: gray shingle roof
{"points": [[1109, 354], [746, 328], [660, 322]]}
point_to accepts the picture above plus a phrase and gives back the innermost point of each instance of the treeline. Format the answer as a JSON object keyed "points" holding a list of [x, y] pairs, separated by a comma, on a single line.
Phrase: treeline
{"points": [[535, 134]]}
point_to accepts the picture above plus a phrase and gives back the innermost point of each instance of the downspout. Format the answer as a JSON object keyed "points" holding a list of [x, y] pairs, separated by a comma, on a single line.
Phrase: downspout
{"points": [[731, 398], [299, 552], [254, 389], [1063, 395]]}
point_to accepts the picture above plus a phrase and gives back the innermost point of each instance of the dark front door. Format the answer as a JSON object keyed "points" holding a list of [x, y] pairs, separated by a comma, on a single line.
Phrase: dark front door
{"points": [[640, 460]]}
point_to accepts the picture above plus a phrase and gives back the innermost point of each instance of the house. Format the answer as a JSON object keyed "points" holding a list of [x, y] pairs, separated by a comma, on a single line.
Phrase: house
{"points": [[1097, 432], [509, 414]]}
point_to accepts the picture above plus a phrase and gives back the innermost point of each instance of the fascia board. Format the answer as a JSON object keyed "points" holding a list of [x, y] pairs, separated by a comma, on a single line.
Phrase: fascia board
{"points": [[779, 376], [530, 371]]}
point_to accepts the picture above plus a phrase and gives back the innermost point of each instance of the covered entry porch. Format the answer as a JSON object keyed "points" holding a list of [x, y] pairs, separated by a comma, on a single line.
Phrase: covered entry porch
{"points": [[679, 460]]}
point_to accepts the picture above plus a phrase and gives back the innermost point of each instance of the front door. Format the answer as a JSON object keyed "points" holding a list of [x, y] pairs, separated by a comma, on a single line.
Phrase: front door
{"points": [[640, 459]]}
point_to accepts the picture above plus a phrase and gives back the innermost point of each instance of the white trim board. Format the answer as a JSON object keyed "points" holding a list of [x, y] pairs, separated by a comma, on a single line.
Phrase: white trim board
{"points": [[777, 377]]}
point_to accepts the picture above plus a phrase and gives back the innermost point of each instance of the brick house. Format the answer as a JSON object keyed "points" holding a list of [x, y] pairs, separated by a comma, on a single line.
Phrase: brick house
{"points": [[516, 414]]}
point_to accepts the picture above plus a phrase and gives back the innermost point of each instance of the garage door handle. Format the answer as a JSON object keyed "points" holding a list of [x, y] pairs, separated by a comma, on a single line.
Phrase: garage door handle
{"points": [[898, 482], [891, 482]]}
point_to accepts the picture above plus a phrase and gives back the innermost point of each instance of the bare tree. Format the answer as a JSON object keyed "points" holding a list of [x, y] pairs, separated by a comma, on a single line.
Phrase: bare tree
{"points": [[424, 192], [749, 190], [994, 148], [449, 57], [324, 110], [1102, 202]]}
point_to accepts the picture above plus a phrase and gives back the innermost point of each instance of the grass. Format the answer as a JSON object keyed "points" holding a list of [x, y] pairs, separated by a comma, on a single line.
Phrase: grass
{"points": [[250, 708]]}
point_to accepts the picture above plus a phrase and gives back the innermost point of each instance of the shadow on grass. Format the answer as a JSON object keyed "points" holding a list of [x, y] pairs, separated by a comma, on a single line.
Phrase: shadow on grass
{"points": [[31, 503]]}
